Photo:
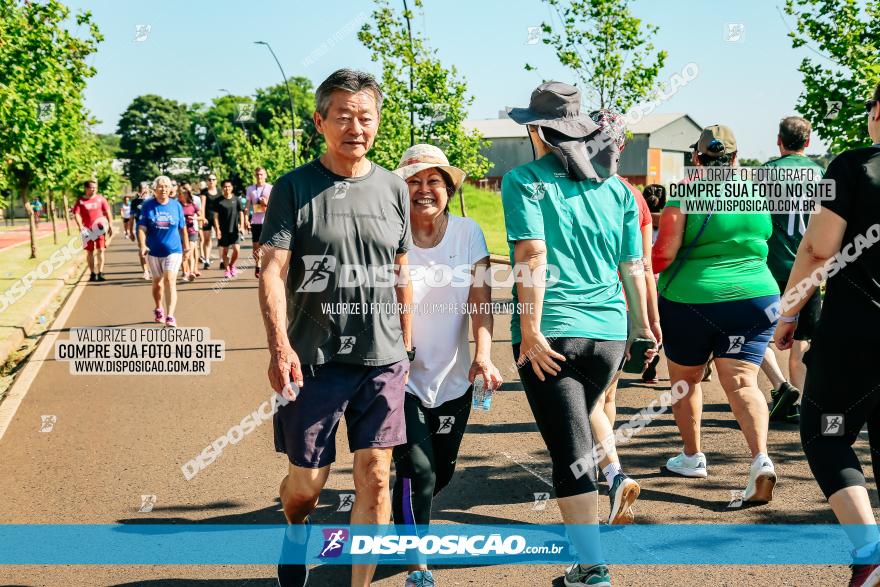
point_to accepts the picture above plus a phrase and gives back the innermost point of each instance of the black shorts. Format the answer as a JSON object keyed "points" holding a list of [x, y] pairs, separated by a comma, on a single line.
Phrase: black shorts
{"points": [[228, 239], [809, 316], [256, 231], [371, 398]]}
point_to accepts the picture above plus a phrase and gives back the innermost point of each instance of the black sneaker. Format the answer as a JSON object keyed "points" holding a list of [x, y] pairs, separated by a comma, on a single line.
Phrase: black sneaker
{"points": [[785, 398], [222, 265], [622, 493], [293, 575], [101, 277], [206, 265], [93, 277]]}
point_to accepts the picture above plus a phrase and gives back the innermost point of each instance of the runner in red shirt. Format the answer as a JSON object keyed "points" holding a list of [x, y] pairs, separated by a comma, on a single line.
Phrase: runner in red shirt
{"points": [[88, 213]]}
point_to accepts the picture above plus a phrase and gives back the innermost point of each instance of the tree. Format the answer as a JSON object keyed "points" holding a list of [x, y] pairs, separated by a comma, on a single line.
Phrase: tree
{"points": [[746, 162], [438, 100], [273, 101], [607, 49], [846, 34], [152, 131], [43, 74], [270, 149]]}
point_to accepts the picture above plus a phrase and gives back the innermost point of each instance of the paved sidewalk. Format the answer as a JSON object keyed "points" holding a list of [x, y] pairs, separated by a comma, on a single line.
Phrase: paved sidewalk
{"points": [[117, 438]]}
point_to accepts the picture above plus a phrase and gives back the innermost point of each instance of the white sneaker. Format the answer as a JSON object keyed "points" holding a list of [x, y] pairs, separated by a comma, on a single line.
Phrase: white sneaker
{"points": [[762, 480], [693, 466]]}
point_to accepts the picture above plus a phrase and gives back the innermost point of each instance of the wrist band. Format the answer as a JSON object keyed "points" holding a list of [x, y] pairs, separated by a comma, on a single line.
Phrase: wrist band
{"points": [[789, 319]]}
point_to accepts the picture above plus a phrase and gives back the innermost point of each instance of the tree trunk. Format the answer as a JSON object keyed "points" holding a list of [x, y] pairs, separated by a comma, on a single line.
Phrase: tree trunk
{"points": [[23, 185], [461, 199], [51, 204], [66, 212]]}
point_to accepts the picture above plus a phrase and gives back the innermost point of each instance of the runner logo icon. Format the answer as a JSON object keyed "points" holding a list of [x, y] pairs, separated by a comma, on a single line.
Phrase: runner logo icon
{"points": [[346, 344], [47, 423], [340, 190], [147, 503], [736, 344], [541, 499], [346, 500], [446, 423], [832, 424], [317, 273], [334, 540]]}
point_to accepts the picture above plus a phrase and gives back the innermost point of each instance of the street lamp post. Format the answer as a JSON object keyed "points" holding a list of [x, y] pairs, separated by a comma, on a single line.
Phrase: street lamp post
{"points": [[289, 95]]}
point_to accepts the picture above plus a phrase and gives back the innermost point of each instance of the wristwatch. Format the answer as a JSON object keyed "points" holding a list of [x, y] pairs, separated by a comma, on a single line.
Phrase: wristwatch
{"points": [[411, 354]]}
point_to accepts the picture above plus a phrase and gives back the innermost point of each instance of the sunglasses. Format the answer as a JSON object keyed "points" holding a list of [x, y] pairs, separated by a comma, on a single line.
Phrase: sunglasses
{"points": [[212, 179], [869, 105]]}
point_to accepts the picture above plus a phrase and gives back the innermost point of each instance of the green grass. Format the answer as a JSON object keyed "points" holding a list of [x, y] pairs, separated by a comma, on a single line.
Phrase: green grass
{"points": [[485, 207]]}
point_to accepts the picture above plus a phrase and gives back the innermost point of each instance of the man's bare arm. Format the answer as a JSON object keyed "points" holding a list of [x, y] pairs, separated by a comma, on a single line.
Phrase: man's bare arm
{"points": [[283, 361], [403, 290]]}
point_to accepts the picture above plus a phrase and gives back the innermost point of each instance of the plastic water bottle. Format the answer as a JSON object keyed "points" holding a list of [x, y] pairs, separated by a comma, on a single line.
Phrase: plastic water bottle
{"points": [[482, 395]]}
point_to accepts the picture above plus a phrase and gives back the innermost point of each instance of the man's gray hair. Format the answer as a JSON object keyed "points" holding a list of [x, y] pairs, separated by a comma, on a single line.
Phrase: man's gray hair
{"points": [[349, 80], [162, 179]]}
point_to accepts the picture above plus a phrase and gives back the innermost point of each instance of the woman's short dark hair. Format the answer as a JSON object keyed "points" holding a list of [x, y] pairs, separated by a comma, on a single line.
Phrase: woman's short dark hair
{"points": [[655, 196], [184, 191], [225, 181], [725, 160]]}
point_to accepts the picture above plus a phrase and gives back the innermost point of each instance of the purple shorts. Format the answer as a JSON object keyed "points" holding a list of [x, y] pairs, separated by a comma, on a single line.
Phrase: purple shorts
{"points": [[370, 397]]}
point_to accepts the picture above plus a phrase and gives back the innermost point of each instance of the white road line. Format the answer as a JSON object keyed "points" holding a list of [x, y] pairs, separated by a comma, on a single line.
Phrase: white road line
{"points": [[527, 468], [13, 399]]}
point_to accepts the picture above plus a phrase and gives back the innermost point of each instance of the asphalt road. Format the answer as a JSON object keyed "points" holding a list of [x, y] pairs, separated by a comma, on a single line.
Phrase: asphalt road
{"points": [[116, 438]]}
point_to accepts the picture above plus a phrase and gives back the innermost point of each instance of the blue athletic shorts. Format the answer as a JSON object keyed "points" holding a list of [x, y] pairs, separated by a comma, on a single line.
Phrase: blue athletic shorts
{"points": [[740, 329]]}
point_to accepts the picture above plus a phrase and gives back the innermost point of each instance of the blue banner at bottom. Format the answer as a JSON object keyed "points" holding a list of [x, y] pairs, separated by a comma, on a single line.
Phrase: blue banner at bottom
{"points": [[441, 544]]}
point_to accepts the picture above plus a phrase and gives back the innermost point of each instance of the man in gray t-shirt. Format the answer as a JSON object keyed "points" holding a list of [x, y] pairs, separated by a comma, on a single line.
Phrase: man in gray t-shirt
{"points": [[334, 244], [344, 234]]}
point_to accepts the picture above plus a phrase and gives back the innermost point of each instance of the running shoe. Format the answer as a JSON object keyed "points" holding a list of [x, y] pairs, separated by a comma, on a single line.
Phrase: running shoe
{"points": [[93, 277], [227, 274], [693, 466], [293, 575], [147, 275], [578, 575], [419, 579], [785, 398], [202, 259], [864, 575], [222, 264], [158, 315], [762, 480], [206, 265], [865, 571], [233, 271], [190, 276], [622, 493], [101, 277], [171, 322]]}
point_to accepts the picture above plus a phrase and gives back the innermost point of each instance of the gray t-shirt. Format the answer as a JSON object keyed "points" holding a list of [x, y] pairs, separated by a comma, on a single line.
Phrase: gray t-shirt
{"points": [[344, 233]]}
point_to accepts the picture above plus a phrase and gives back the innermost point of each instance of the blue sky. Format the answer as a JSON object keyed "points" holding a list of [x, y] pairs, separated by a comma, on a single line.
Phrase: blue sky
{"points": [[196, 47]]}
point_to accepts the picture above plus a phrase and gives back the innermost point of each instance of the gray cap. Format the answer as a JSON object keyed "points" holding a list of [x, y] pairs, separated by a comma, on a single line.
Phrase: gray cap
{"points": [[557, 106]]}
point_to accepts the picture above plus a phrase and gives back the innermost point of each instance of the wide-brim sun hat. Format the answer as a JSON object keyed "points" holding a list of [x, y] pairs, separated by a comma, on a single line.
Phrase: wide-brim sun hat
{"points": [[557, 106], [423, 156]]}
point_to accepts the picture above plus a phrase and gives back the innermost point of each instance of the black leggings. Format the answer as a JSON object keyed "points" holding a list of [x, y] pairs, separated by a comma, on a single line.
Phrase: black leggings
{"points": [[424, 465], [562, 403], [841, 395]]}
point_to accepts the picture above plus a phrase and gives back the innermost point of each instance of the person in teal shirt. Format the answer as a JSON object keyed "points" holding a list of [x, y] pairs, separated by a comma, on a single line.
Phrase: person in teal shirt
{"points": [[716, 300], [569, 220]]}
